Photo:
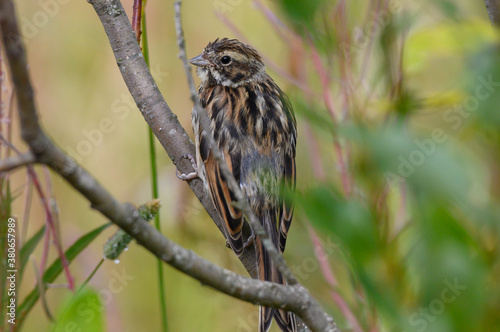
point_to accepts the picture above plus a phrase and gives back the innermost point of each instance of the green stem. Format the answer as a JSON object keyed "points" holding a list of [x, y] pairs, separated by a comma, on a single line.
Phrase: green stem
{"points": [[154, 181], [90, 276]]}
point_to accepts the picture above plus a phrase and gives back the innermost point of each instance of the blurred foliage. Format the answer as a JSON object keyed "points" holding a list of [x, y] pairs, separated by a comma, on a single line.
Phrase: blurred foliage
{"points": [[302, 13], [419, 232], [398, 165], [83, 312]]}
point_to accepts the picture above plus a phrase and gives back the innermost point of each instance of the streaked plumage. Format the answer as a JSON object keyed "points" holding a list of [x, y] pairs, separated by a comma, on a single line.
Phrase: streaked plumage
{"points": [[253, 124]]}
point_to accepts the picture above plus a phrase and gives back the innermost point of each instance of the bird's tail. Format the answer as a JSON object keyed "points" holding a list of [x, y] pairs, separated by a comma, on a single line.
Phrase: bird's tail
{"points": [[269, 272]]}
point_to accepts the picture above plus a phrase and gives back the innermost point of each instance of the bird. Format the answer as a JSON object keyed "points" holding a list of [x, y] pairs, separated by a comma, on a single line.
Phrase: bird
{"points": [[254, 126]]}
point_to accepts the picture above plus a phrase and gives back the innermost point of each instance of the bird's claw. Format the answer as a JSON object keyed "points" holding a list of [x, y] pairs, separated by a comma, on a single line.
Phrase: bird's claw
{"points": [[188, 176], [249, 241]]}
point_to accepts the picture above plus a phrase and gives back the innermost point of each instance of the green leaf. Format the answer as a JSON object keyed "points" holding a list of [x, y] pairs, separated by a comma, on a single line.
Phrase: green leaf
{"points": [[426, 162], [445, 247], [84, 313], [317, 117], [448, 8], [55, 269], [483, 94], [353, 224], [29, 247], [301, 12], [350, 221]]}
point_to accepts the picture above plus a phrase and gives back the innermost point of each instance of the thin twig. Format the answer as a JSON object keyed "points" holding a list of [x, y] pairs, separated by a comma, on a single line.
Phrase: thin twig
{"points": [[51, 229], [324, 81], [9, 118], [277, 24], [330, 278], [314, 152], [368, 53], [136, 19], [28, 195], [493, 9], [41, 291], [48, 215], [17, 161]]}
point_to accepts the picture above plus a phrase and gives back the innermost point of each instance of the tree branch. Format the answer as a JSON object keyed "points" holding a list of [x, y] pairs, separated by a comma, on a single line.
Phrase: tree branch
{"points": [[153, 107], [292, 298], [493, 8], [17, 161]]}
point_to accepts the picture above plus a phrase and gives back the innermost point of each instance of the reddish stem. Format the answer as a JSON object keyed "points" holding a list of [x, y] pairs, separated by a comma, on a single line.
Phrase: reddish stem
{"points": [[301, 85], [277, 24], [314, 152], [346, 182], [325, 81], [49, 220], [46, 248], [368, 52], [136, 20], [329, 276], [28, 193], [53, 230]]}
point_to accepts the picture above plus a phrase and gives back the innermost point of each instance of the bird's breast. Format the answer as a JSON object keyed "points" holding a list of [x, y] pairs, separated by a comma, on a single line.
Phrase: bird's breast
{"points": [[247, 117]]}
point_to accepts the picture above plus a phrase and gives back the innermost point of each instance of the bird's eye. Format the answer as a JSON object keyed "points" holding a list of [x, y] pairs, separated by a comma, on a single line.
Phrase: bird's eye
{"points": [[225, 60]]}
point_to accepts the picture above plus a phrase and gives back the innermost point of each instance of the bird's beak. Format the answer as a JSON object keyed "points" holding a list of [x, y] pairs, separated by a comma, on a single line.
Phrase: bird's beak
{"points": [[199, 61]]}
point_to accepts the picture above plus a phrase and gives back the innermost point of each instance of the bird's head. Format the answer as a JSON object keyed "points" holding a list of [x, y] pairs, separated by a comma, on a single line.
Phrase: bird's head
{"points": [[229, 62]]}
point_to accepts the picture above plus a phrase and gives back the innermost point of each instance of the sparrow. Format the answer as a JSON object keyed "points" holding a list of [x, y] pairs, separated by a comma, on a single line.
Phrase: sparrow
{"points": [[253, 124]]}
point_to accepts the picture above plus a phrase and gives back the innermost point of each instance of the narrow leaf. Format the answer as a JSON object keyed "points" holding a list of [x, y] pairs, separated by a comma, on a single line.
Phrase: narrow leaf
{"points": [[55, 270], [29, 247]]}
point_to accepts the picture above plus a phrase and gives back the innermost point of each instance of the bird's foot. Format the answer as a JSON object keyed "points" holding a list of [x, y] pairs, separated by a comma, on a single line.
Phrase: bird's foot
{"points": [[188, 176], [249, 241]]}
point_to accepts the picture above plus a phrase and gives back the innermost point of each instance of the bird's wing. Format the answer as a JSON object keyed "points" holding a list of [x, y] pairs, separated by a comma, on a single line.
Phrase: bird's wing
{"points": [[286, 201], [288, 180], [221, 195]]}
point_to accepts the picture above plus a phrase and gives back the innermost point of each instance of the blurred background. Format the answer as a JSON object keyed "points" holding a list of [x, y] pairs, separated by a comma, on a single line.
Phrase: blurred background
{"points": [[397, 219]]}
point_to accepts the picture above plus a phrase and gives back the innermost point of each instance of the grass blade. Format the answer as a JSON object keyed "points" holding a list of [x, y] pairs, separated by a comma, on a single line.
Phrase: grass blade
{"points": [[154, 184], [55, 270], [29, 247]]}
